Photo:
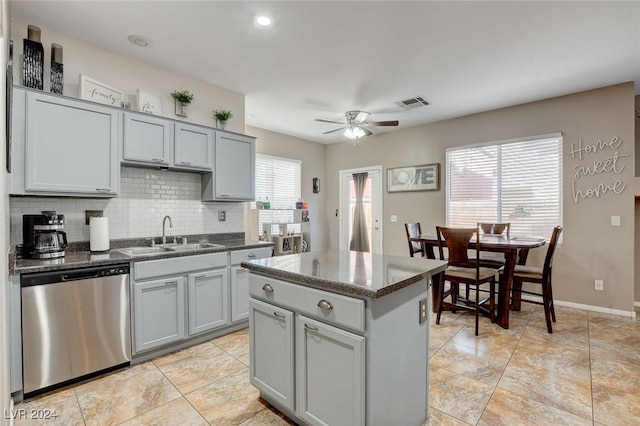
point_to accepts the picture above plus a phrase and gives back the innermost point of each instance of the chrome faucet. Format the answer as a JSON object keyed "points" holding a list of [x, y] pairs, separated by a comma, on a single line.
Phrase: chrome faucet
{"points": [[164, 221]]}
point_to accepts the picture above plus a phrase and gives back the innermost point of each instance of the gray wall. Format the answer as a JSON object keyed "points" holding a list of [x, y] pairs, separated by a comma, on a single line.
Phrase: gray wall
{"points": [[591, 248], [313, 157]]}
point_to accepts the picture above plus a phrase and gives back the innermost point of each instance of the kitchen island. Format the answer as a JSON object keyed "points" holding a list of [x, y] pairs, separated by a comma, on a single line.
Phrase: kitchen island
{"points": [[341, 337]]}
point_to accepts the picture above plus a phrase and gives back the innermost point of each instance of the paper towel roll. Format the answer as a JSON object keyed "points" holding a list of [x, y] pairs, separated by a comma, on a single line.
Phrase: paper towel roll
{"points": [[99, 234]]}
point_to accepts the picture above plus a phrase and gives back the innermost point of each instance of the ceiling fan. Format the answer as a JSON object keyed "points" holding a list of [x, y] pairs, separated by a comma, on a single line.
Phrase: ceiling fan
{"points": [[356, 125]]}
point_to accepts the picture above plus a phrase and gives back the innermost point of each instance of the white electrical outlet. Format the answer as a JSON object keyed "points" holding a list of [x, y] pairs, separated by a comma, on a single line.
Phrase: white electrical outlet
{"points": [[599, 285], [394, 218], [615, 220]]}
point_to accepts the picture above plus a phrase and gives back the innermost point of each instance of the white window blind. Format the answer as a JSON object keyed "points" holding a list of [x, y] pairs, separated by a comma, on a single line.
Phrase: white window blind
{"points": [[278, 180], [512, 181]]}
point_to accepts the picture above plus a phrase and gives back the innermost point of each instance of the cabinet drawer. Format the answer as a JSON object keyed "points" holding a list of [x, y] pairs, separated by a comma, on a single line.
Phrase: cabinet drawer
{"points": [[178, 265], [342, 310], [240, 256]]}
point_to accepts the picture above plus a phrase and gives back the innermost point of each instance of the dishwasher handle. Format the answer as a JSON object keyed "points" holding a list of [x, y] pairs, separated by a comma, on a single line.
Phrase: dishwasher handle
{"points": [[80, 276]]}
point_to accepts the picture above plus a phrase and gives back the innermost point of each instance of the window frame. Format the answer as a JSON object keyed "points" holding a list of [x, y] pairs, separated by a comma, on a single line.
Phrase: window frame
{"points": [[499, 192]]}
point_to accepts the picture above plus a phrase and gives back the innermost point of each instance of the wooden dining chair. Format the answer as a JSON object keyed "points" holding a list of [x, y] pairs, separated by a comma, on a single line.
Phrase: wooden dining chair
{"points": [[461, 269], [537, 275], [413, 230]]}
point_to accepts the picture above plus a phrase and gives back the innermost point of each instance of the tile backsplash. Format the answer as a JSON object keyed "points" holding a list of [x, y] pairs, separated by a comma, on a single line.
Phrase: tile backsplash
{"points": [[146, 196]]}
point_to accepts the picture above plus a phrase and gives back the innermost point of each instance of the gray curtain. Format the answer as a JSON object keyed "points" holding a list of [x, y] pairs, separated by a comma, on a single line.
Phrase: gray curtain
{"points": [[359, 238]]}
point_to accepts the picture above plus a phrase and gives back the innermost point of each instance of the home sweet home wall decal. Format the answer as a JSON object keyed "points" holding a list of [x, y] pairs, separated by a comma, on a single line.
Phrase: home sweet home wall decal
{"points": [[608, 166]]}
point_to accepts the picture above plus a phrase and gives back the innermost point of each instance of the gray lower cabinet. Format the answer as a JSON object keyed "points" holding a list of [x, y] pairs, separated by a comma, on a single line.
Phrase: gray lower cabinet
{"points": [[177, 298], [323, 363], [233, 177], [272, 352], [147, 139], [354, 361], [208, 295], [193, 147], [64, 147], [239, 293], [240, 280], [330, 374], [159, 315]]}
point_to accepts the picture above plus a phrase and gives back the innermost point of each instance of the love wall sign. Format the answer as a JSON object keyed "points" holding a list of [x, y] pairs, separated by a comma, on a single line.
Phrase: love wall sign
{"points": [[608, 167]]}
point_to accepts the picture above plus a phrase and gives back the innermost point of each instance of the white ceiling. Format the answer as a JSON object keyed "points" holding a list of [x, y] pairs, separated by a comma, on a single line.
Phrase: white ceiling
{"points": [[322, 58]]}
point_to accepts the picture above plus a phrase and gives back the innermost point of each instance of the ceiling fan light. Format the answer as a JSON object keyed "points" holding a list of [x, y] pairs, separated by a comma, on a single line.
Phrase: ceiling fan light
{"points": [[354, 132]]}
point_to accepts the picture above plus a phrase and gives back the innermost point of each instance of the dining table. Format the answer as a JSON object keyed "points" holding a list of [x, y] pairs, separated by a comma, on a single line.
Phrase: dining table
{"points": [[515, 250]]}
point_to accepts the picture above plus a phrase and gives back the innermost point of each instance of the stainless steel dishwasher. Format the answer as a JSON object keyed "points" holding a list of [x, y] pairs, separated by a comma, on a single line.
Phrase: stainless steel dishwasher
{"points": [[74, 323]]}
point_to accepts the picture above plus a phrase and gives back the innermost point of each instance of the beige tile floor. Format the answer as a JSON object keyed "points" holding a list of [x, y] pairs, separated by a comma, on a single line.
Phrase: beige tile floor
{"points": [[586, 372]]}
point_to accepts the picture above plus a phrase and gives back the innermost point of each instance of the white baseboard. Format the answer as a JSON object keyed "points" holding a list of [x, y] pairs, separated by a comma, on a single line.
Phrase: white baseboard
{"points": [[620, 312], [631, 314]]}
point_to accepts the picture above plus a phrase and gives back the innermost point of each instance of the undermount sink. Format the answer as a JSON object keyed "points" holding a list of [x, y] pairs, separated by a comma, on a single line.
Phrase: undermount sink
{"points": [[192, 246], [139, 251], [165, 248]]}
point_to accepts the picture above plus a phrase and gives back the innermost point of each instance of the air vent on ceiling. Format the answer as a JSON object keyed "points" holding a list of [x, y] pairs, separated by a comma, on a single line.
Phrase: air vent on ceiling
{"points": [[412, 103]]}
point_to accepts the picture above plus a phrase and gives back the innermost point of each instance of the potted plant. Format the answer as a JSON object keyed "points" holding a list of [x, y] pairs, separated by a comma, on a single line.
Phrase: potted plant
{"points": [[182, 98], [221, 116]]}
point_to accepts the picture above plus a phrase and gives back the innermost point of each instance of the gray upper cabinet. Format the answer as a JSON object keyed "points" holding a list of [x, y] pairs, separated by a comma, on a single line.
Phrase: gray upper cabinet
{"points": [[193, 147], [64, 147], [147, 140], [233, 178]]}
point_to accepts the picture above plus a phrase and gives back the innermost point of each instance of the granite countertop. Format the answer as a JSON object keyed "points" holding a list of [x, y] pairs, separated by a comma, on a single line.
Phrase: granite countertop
{"points": [[78, 255], [347, 272]]}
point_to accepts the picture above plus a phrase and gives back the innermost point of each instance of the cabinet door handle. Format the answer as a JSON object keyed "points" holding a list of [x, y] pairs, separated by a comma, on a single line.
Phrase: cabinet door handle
{"points": [[158, 160], [278, 315], [103, 189], [308, 327], [323, 304], [199, 276], [267, 288], [171, 283], [223, 195], [250, 255], [184, 163]]}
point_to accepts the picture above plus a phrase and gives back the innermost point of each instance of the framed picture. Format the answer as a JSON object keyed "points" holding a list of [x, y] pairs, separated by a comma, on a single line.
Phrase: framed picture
{"points": [[148, 103], [425, 177], [96, 91]]}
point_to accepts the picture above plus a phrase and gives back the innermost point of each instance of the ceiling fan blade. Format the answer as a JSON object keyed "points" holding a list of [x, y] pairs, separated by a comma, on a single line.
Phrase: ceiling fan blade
{"points": [[328, 121], [366, 131], [383, 123], [331, 131]]}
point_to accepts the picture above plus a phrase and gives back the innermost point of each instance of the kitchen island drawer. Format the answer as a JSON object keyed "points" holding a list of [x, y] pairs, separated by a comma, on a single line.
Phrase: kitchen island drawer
{"points": [[178, 265], [239, 256], [323, 305]]}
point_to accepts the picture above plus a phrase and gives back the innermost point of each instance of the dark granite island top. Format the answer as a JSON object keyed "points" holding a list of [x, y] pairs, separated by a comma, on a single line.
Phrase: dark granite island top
{"points": [[350, 273]]}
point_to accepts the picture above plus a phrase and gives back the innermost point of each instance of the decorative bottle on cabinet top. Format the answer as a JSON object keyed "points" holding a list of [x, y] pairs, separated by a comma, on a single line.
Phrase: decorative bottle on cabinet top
{"points": [[33, 59], [57, 84]]}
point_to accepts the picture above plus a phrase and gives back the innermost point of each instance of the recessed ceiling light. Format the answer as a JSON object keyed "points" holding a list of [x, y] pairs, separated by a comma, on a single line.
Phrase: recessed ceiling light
{"points": [[139, 40], [263, 20]]}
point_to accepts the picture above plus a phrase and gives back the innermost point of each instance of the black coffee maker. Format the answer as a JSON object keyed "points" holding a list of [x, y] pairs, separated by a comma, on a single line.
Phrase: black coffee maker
{"points": [[42, 237]]}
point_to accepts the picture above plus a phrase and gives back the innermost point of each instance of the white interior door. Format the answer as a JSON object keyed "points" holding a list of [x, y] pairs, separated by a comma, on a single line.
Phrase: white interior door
{"points": [[372, 204]]}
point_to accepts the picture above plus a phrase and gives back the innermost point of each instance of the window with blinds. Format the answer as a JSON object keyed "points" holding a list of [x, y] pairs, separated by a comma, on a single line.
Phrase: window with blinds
{"points": [[517, 181], [278, 180]]}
